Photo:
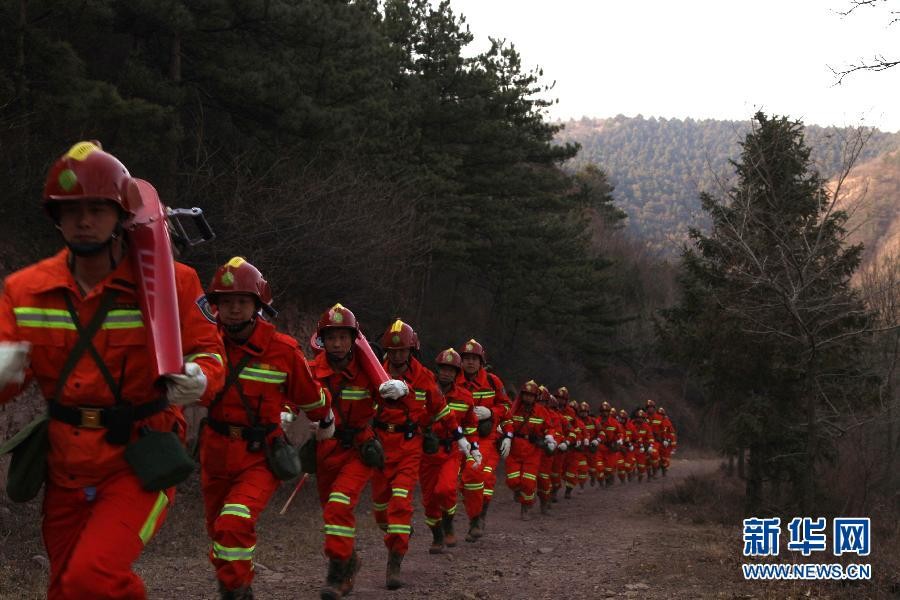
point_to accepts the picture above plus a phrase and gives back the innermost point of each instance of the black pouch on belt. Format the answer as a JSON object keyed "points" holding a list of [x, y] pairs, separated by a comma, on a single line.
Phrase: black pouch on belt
{"points": [[307, 455], [28, 467], [430, 442], [283, 460], [159, 459]]}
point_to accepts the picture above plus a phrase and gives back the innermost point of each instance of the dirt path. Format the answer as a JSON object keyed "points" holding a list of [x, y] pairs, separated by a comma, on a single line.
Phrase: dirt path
{"points": [[599, 544]]}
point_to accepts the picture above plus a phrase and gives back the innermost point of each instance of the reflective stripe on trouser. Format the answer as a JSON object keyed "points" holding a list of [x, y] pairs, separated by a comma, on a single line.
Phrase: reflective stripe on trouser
{"points": [[340, 479], [570, 468], [438, 476], [92, 544], [582, 466], [233, 503], [394, 486], [490, 459], [544, 481], [521, 470], [471, 482], [556, 471]]}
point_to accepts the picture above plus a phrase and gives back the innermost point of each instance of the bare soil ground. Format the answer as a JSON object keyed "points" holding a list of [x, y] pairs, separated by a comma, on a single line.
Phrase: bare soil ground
{"points": [[619, 542]]}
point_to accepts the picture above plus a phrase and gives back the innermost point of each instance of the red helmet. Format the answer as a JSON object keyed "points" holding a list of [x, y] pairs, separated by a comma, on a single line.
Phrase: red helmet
{"points": [[563, 393], [399, 335], [661, 411], [605, 407], [650, 403], [545, 394], [584, 407], [338, 317], [86, 171], [530, 387], [473, 347], [623, 414], [641, 414], [449, 357], [238, 276]]}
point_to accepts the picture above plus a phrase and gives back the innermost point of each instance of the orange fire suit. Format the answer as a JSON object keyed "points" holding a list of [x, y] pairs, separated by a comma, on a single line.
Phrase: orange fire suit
{"points": [[527, 428], [397, 424], [545, 469], [559, 458], [615, 437], [641, 439], [97, 517], [340, 472], [590, 463], [489, 392], [440, 473], [236, 480], [574, 456]]}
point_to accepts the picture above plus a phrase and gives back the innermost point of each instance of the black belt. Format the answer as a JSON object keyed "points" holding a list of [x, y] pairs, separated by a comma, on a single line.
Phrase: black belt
{"points": [[527, 436], [241, 432], [408, 428], [99, 417]]}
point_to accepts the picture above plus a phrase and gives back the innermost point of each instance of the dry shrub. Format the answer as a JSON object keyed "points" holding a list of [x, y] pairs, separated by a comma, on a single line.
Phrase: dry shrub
{"points": [[702, 499]]}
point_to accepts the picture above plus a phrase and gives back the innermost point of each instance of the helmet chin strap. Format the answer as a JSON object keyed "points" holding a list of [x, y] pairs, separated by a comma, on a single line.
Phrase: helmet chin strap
{"points": [[238, 327]]}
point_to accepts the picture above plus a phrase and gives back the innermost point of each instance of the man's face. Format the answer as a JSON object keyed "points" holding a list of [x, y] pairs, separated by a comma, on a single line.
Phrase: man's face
{"points": [[337, 342], [236, 308], [471, 363], [446, 374], [89, 221], [528, 398], [398, 357]]}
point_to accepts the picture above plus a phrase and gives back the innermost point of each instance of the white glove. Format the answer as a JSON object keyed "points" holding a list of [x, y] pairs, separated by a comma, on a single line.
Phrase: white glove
{"points": [[643, 449], [665, 443], [188, 387], [631, 447], [578, 443], [393, 389], [505, 446], [500, 429], [13, 361], [476, 454], [464, 446], [551, 442], [482, 413], [563, 446], [595, 442], [325, 433], [287, 418]]}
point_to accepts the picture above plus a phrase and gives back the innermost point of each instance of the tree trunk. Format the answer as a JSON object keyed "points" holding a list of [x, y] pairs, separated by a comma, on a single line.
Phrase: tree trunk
{"points": [[754, 489]]}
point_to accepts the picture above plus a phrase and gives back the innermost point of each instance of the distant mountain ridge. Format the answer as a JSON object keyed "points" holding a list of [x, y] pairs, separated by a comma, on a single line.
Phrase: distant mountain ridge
{"points": [[659, 166]]}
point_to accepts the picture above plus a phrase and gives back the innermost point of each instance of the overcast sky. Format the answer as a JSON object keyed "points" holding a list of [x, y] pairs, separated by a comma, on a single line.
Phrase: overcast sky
{"points": [[719, 59]]}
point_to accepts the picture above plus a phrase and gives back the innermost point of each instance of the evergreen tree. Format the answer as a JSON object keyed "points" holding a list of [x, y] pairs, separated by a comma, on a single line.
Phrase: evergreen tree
{"points": [[768, 316]]}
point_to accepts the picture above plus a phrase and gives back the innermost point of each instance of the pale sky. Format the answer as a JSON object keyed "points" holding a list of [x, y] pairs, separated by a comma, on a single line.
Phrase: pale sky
{"points": [[720, 59]]}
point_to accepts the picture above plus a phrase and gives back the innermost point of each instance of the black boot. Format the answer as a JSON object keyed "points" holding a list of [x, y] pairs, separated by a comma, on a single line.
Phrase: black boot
{"points": [[482, 520], [568, 494], [241, 593], [475, 531], [392, 580], [350, 571], [449, 534], [437, 542], [333, 580]]}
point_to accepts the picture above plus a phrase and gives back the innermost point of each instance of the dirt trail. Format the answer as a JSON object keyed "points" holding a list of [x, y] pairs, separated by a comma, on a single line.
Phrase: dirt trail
{"points": [[606, 533]]}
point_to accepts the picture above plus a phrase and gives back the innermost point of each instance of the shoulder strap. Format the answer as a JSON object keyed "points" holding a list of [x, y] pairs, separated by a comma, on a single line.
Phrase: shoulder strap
{"points": [[230, 379], [85, 343]]}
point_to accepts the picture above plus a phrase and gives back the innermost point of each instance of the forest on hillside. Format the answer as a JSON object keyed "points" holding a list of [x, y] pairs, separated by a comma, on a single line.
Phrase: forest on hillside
{"points": [[660, 166]]}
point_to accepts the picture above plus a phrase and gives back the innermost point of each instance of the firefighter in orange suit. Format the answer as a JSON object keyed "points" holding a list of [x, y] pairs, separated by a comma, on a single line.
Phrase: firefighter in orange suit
{"points": [[589, 431], [628, 449], [575, 440], [441, 471], [554, 426], [341, 473], [641, 439], [527, 431], [268, 375], [102, 395], [491, 405], [669, 440], [557, 403], [398, 423]]}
